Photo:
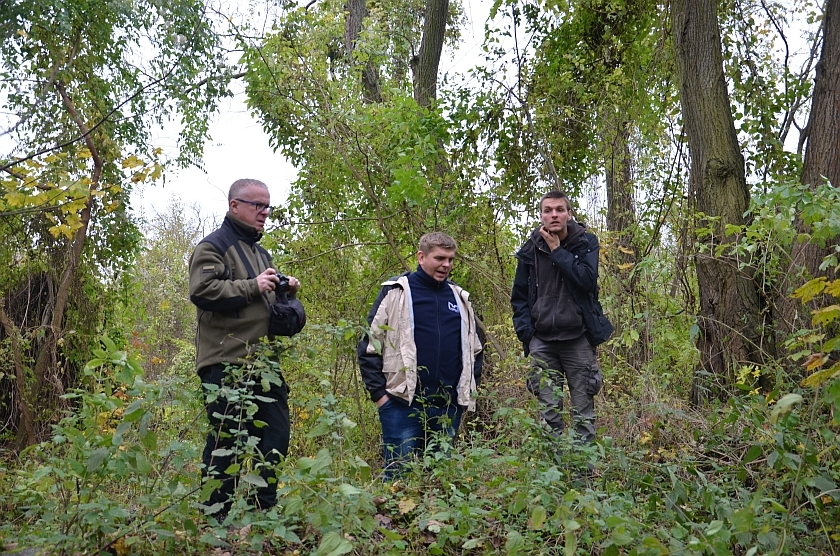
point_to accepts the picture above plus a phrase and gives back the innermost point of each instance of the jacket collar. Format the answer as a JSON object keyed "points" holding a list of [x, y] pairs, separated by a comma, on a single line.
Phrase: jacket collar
{"points": [[243, 231], [427, 280]]}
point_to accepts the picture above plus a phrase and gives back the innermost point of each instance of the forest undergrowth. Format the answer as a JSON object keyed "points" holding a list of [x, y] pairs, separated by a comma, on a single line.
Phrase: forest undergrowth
{"points": [[120, 475]]}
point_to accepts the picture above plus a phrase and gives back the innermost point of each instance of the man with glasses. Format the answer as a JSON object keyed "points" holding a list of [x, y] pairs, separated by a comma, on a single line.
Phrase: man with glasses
{"points": [[232, 283]]}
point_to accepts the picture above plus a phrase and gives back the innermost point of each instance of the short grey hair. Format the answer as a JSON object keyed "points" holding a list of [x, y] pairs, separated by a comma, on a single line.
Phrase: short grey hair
{"points": [[237, 187], [436, 239]]}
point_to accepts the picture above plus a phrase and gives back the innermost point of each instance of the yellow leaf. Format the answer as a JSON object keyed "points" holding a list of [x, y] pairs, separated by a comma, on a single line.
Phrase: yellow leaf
{"points": [[23, 33], [85, 153], [807, 291], [821, 377], [825, 315], [833, 288], [814, 361], [406, 505], [625, 250], [15, 199], [131, 162], [625, 266]]}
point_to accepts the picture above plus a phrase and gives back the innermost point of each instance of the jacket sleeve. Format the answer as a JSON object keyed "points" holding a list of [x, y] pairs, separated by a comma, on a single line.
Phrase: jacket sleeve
{"points": [[479, 357], [519, 301], [580, 265], [211, 286], [370, 356]]}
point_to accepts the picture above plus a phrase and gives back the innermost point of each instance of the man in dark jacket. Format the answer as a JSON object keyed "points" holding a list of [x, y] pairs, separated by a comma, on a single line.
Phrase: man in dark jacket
{"points": [[422, 360], [557, 315], [232, 284]]}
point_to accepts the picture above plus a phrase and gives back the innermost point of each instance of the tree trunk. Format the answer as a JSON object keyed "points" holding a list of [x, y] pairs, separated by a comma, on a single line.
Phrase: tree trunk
{"points": [[621, 223], [356, 12], [27, 435], [55, 331], [822, 156], [621, 206], [431, 48], [730, 318]]}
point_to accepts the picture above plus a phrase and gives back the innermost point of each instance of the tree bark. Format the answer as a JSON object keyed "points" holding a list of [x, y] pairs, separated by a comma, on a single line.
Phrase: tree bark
{"points": [[356, 12], [20, 379], [822, 154], [621, 206], [431, 48], [730, 318], [822, 159]]}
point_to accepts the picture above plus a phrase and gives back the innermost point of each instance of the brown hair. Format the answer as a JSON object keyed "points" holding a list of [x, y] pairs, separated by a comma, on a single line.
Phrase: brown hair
{"points": [[556, 195], [436, 239]]}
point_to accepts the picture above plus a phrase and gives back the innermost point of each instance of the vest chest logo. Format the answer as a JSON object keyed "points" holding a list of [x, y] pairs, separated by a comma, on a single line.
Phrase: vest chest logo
{"points": [[453, 307]]}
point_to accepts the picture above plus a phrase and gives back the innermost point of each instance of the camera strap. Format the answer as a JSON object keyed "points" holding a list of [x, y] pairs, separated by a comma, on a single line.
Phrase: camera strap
{"points": [[248, 268]]}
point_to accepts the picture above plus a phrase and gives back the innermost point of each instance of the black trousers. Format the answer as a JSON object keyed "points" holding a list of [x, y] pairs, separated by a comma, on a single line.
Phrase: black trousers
{"points": [[228, 416]]}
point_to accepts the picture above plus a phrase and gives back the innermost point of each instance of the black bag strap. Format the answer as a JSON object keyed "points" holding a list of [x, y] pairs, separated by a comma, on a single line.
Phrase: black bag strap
{"points": [[248, 268]]}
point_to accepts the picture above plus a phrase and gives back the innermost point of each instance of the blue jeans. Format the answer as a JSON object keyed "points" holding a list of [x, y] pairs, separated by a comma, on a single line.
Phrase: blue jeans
{"points": [[406, 430]]}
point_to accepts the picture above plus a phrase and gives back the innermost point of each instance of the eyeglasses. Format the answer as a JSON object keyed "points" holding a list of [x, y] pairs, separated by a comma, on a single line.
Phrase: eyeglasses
{"points": [[259, 206]]}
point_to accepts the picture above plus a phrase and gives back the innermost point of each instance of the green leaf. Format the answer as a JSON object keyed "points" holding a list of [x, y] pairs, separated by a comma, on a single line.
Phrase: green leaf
{"points": [[349, 490], [571, 544], [132, 412], [784, 406], [753, 453], [471, 543], [254, 479], [514, 544], [109, 344], [742, 519], [233, 469], [292, 505], [538, 517], [652, 543], [149, 440], [96, 458], [333, 544], [810, 289], [320, 429], [144, 467], [390, 535], [714, 527], [825, 315], [823, 484]]}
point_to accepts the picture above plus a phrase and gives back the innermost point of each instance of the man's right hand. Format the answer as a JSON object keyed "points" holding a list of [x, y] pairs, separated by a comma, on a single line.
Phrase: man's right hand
{"points": [[268, 280], [381, 401]]}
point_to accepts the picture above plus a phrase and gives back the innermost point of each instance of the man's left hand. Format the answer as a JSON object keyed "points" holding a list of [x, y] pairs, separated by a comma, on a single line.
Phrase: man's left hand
{"points": [[294, 285], [552, 240]]}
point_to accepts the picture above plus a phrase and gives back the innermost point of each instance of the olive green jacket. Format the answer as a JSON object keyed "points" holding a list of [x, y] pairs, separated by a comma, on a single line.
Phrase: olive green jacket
{"points": [[232, 313]]}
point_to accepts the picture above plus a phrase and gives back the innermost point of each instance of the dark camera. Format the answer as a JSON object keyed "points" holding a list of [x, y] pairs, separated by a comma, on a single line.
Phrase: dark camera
{"points": [[282, 283]]}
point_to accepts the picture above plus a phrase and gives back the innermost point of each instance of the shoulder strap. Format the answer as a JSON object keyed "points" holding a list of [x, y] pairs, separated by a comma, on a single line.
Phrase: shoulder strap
{"points": [[248, 268], [245, 261]]}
